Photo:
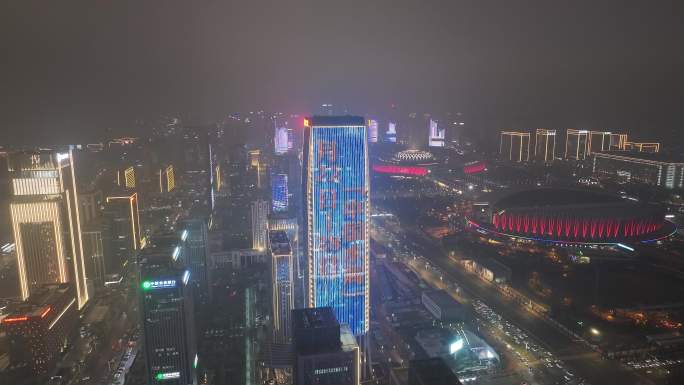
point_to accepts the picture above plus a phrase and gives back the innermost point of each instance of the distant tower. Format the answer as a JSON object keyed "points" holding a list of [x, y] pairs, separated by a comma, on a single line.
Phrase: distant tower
{"points": [[259, 224], [282, 281], [372, 131], [437, 135], [46, 221], [545, 145], [195, 238], [391, 134], [576, 144], [337, 212], [514, 146]]}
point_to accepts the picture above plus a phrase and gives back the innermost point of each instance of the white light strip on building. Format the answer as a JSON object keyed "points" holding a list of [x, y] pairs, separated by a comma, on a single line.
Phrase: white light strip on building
{"points": [[62, 313]]}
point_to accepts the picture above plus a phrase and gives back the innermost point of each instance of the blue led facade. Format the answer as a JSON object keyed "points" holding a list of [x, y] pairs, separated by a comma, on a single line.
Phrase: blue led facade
{"points": [[337, 211], [279, 193]]}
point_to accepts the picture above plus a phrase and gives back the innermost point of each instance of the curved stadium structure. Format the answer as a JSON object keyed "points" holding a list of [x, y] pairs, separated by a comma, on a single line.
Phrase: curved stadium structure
{"points": [[573, 216]]}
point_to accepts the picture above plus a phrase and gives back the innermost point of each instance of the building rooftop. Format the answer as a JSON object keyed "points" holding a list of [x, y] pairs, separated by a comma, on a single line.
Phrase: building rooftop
{"points": [[663, 157], [441, 298], [346, 120], [41, 300], [431, 371], [280, 243]]}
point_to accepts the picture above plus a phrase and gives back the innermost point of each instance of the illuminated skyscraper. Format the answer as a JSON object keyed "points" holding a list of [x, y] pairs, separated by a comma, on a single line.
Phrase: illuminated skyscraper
{"points": [[121, 222], [282, 281], [195, 238], [391, 134], [279, 193], [545, 145], [576, 144], [514, 146], [337, 210], [259, 224], [437, 135], [46, 221], [166, 307], [372, 131], [281, 140], [167, 179]]}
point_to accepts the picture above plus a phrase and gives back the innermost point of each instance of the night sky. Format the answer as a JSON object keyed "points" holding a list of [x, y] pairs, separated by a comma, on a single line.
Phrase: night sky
{"points": [[70, 69]]}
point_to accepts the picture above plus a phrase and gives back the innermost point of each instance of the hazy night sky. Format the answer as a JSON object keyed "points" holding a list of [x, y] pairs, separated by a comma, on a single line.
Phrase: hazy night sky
{"points": [[71, 68]]}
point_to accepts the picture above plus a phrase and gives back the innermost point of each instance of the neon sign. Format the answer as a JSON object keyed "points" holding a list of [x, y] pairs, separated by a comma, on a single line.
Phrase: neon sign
{"points": [[162, 284]]}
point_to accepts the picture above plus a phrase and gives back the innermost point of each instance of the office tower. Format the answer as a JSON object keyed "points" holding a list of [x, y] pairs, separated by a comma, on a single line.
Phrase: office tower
{"points": [[39, 328], [46, 222], [431, 371], [167, 179], [545, 145], [576, 144], [642, 147], [167, 320], [324, 351], [391, 134], [281, 140], [93, 253], [195, 238], [372, 131], [282, 281], [129, 177], [647, 168], [279, 193], [259, 224], [514, 146], [337, 209], [121, 223], [437, 135]]}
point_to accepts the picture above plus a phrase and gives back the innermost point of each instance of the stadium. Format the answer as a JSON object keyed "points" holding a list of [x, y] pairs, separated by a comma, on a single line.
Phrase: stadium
{"points": [[567, 216]]}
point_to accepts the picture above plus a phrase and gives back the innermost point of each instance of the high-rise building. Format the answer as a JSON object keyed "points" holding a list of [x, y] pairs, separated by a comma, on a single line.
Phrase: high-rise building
{"points": [[437, 136], [39, 329], [259, 224], [647, 168], [121, 223], [281, 140], [336, 216], [166, 307], [279, 193], [167, 179], [46, 222], [195, 238], [324, 351], [282, 281], [576, 144], [391, 134], [642, 147], [514, 146], [545, 145], [372, 131]]}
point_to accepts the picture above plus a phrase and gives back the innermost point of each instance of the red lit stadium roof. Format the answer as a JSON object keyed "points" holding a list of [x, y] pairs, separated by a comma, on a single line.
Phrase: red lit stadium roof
{"points": [[400, 170]]}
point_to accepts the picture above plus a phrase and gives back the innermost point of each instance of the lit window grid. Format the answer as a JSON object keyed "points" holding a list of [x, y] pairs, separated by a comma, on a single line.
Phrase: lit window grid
{"points": [[523, 153], [329, 270], [129, 177], [170, 178], [279, 193], [36, 186], [283, 300], [37, 212]]}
